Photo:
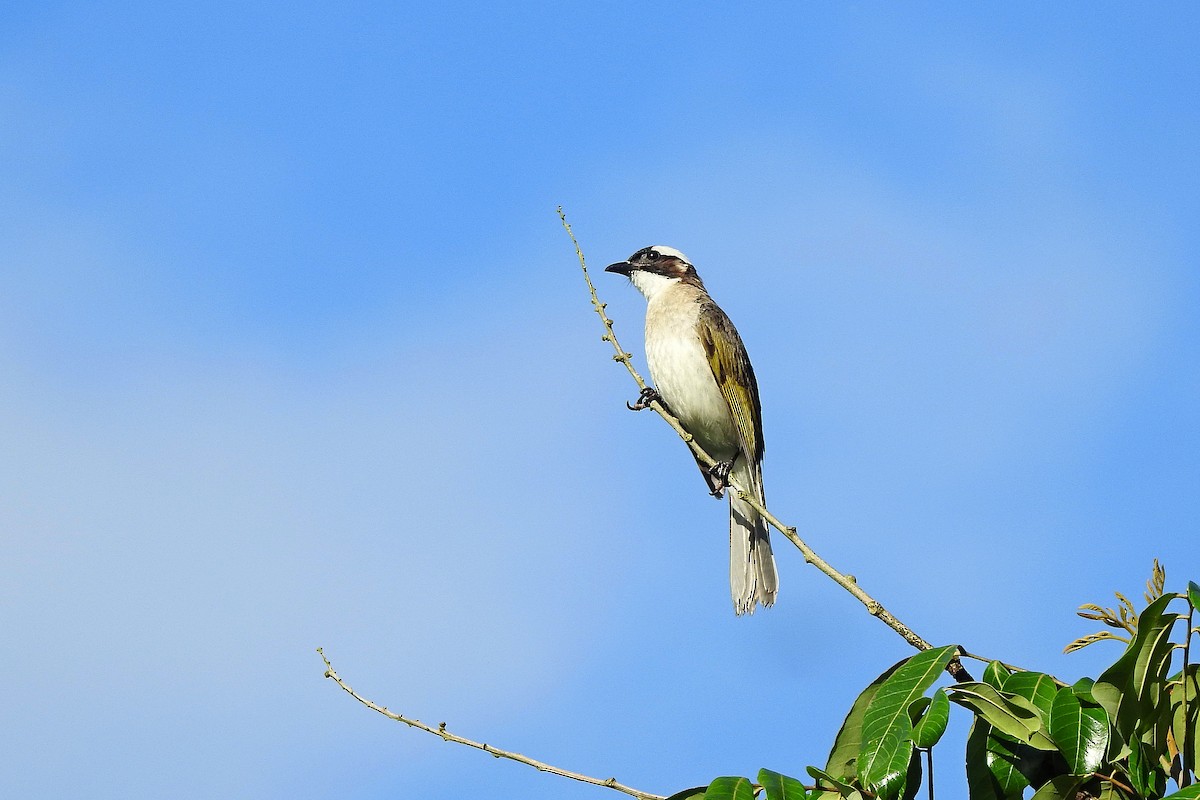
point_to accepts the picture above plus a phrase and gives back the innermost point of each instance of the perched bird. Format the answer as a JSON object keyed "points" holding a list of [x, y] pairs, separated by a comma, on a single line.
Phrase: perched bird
{"points": [[702, 373]]}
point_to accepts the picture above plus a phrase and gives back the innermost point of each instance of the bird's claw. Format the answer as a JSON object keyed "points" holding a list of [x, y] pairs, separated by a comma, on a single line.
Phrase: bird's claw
{"points": [[645, 398], [719, 473]]}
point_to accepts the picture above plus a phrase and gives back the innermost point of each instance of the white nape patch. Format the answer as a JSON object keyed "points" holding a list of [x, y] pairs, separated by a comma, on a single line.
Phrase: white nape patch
{"points": [[649, 283], [662, 249]]}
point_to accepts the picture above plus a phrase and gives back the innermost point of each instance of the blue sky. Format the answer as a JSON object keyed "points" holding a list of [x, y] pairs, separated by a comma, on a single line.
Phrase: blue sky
{"points": [[296, 354]]}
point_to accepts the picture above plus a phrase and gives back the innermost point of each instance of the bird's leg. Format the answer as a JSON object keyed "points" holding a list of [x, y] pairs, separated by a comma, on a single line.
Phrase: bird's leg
{"points": [[645, 398], [719, 477]]}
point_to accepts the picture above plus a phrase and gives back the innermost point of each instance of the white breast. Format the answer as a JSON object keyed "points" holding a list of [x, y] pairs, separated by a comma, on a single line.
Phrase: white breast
{"points": [[681, 373]]}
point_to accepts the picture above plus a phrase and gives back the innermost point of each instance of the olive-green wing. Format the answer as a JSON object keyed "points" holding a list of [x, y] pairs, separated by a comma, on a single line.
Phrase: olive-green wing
{"points": [[731, 367]]}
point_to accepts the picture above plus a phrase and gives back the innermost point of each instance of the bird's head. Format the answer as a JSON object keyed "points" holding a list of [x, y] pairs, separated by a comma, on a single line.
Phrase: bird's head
{"points": [[653, 269]]}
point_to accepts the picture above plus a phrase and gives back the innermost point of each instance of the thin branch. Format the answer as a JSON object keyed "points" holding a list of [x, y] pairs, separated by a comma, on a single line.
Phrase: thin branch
{"points": [[440, 730], [1006, 665], [929, 761], [847, 582], [1113, 780], [1187, 768]]}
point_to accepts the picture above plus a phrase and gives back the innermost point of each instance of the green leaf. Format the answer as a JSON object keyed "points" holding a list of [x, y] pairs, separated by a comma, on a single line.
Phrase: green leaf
{"points": [[1187, 731], [1193, 594], [994, 674], [886, 728], [1010, 714], [695, 793], [1062, 787], [886, 757], [917, 707], [1081, 732], [1190, 793], [1036, 687], [1110, 791], [1155, 732], [1083, 689], [839, 787], [843, 758], [731, 788], [1145, 775], [830, 794], [781, 787], [912, 781], [989, 775], [929, 729], [1131, 688]]}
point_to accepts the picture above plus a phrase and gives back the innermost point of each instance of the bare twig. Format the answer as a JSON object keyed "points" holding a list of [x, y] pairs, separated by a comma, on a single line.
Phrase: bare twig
{"points": [[847, 582], [440, 730]]}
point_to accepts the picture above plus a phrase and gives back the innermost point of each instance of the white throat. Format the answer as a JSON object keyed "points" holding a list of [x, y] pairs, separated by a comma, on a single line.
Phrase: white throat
{"points": [[650, 284]]}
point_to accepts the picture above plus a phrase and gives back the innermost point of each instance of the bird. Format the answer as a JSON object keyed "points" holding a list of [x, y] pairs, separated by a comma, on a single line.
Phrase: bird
{"points": [[701, 372]]}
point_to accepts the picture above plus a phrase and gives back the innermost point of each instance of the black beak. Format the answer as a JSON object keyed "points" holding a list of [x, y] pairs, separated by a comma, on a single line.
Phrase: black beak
{"points": [[621, 268]]}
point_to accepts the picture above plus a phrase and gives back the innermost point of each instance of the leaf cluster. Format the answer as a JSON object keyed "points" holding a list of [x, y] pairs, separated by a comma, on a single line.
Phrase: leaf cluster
{"points": [[1128, 734]]}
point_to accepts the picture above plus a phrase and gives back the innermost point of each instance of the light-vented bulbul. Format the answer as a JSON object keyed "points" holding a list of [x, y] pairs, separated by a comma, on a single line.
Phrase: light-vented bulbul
{"points": [[702, 373]]}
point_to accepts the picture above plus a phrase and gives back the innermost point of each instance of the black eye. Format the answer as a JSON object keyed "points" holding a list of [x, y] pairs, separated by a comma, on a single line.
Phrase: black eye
{"points": [[652, 255]]}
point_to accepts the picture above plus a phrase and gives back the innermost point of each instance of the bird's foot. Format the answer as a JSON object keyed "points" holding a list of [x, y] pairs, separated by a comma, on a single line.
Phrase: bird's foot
{"points": [[719, 477], [645, 398]]}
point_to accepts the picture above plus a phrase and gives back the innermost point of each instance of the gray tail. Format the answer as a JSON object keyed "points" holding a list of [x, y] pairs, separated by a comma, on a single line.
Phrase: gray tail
{"points": [[752, 576]]}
